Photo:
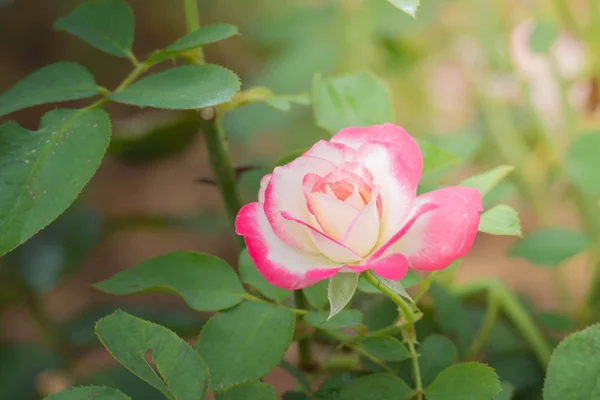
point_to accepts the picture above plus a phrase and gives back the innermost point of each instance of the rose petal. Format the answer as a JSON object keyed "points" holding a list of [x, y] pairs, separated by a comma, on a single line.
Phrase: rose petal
{"points": [[330, 247], [333, 215], [285, 193], [337, 153], [443, 235], [355, 199], [280, 264], [264, 182], [397, 181], [393, 266], [363, 233]]}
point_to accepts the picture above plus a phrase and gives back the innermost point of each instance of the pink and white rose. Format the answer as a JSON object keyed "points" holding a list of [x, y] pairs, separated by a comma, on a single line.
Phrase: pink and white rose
{"points": [[350, 204]]}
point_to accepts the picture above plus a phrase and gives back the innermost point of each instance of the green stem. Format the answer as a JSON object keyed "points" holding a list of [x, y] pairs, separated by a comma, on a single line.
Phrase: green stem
{"points": [[493, 307], [304, 344], [220, 162], [249, 297], [515, 312], [403, 307], [424, 285], [417, 370], [192, 22]]}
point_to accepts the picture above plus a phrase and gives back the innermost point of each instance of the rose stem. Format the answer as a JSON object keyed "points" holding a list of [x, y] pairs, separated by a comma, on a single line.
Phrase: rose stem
{"points": [[306, 363]]}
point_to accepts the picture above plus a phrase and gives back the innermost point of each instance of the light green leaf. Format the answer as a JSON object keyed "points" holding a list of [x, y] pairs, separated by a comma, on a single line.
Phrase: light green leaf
{"points": [[351, 100], [183, 88], [408, 6], [56, 82], [205, 282], [317, 294], [436, 353], [107, 25], [340, 291], [201, 37], [245, 343], [582, 162], [179, 372], [574, 369], [43, 172], [436, 159], [376, 387], [543, 35], [247, 391], [486, 181], [250, 275], [465, 381], [451, 316], [343, 319], [385, 348], [500, 220], [550, 247], [89, 392]]}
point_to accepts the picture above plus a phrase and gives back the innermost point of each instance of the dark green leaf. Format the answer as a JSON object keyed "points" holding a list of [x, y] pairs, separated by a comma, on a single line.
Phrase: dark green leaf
{"points": [[58, 249], [20, 365], [376, 387], [555, 322], [436, 353], [245, 343], [521, 369], [385, 348], [185, 87], [343, 319], [582, 162], [247, 391], [205, 35], [351, 100], [451, 316], [543, 35], [340, 291], [333, 384], [121, 378], [179, 373], [508, 390], [550, 247], [486, 181], [317, 294], [43, 172], [408, 6], [250, 275], [381, 314], [466, 381], [294, 396], [107, 25], [205, 282], [90, 392], [500, 220], [56, 82], [574, 369]]}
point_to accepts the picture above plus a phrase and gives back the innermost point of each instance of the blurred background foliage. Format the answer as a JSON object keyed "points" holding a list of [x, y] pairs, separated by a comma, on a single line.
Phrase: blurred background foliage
{"points": [[492, 82]]}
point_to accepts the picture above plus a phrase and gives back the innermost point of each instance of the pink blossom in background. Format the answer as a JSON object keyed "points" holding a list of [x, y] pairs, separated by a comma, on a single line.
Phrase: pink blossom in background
{"points": [[350, 204]]}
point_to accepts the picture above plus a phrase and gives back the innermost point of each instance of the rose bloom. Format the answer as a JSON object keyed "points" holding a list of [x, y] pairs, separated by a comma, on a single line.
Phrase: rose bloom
{"points": [[350, 204]]}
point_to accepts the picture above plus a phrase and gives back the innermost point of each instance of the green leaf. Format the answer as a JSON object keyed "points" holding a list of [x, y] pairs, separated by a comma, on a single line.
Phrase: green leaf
{"points": [[486, 181], [179, 372], [351, 100], [435, 159], [451, 316], [108, 25], [57, 250], [436, 353], [507, 391], [574, 369], [56, 82], [205, 282], [582, 162], [89, 392], [385, 348], [382, 313], [185, 87], [43, 172], [550, 247], [409, 280], [263, 94], [245, 343], [408, 6], [247, 391], [465, 381], [343, 319], [317, 294], [250, 275], [121, 378], [543, 35], [500, 220], [376, 387], [520, 368], [340, 291]]}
